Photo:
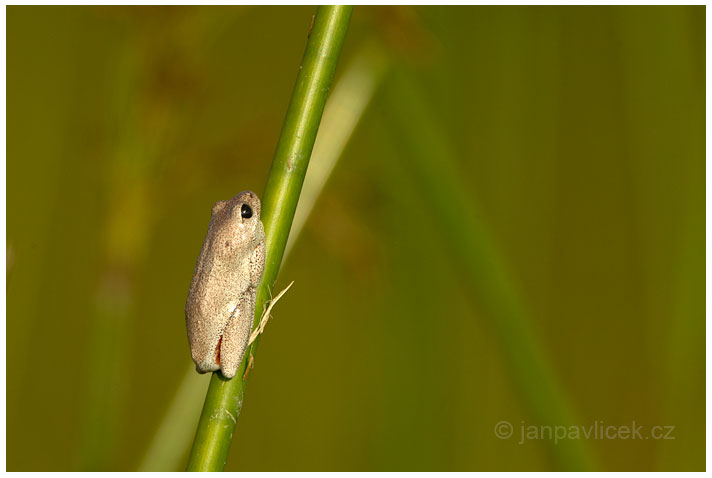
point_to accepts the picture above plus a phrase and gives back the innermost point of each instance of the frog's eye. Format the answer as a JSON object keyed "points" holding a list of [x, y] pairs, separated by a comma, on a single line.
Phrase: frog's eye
{"points": [[246, 211]]}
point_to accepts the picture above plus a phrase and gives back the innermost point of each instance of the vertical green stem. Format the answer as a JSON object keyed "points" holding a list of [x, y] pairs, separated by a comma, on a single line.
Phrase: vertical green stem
{"points": [[431, 162], [279, 202]]}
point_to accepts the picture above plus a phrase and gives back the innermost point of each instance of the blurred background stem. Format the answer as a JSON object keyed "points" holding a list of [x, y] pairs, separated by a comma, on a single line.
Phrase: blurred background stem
{"points": [[279, 202], [432, 166]]}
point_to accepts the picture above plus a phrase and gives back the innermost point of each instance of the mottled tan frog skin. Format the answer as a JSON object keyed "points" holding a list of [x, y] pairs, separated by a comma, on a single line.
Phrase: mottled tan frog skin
{"points": [[221, 303]]}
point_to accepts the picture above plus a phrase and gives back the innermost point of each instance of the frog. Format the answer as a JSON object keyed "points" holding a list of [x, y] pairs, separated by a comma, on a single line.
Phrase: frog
{"points": [[220, 308]]}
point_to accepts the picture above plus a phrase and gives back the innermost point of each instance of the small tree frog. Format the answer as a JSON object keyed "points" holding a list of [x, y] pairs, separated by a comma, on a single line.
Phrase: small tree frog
{"points": [[220, 308]]}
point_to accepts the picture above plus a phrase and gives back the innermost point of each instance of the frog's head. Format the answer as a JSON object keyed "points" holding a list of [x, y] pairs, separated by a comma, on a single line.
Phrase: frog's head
{"points": [[237, 224]]}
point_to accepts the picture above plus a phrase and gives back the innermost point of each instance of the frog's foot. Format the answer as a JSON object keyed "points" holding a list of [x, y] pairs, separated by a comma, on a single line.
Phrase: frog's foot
{"points": [[207, 359], [234, 340]]}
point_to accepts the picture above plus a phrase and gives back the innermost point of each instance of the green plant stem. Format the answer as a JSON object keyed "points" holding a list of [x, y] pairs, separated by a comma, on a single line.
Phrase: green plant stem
{"points": [[348, 102], [279, 202], [431, 163]]}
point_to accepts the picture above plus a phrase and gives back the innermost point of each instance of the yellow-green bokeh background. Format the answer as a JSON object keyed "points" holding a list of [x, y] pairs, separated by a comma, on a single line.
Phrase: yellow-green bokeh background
{"points": [[578, 132]]}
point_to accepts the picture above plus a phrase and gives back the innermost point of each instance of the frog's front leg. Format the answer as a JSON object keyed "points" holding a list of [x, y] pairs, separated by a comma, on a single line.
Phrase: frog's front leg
{"points": [[237, 333], [257, 264], [239, 327]]}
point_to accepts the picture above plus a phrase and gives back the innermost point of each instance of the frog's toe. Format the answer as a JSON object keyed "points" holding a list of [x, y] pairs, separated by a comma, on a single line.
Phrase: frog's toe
{"points": [[207, 361], [206, 367], [233, 346]]}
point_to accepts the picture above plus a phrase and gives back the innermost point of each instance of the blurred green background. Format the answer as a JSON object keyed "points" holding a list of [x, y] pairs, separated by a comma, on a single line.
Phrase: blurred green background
{"points": [[519, 215]]}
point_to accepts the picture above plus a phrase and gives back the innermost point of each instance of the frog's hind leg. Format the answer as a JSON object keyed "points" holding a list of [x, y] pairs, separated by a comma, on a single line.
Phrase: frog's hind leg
{"points": [[236, 334]]}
